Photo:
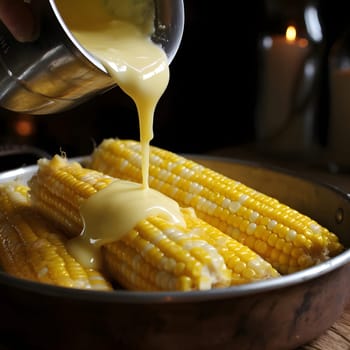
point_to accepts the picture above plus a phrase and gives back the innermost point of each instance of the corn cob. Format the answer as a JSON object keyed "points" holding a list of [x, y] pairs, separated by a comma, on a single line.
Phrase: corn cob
{"points": [[156, 254], [286, 238], [32, 248]]}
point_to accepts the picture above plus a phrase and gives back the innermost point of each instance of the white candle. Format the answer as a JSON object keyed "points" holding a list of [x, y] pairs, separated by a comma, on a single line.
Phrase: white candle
{"points": [[282, 65]]}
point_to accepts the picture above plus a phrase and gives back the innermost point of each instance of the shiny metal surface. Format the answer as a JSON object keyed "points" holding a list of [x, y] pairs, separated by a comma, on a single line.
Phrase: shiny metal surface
{"points": [[54, 73], [283, 313]]}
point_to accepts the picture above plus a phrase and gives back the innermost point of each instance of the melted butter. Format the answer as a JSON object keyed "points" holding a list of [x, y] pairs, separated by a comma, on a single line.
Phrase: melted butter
{"points": [[117, 33], [114, 211]]}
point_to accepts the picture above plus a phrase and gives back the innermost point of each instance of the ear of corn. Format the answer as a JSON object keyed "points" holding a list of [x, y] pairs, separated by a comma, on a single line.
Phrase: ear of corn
{"points": [[156, 254], [31, 248], [289, 240]]}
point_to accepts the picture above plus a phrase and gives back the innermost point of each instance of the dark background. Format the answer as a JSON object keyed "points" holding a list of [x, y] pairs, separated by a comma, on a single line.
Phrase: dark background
{"points": [[210, 100]]}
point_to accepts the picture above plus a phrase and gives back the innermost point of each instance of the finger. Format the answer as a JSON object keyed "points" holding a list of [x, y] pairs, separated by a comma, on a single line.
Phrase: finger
{"points": [[18, 18]]}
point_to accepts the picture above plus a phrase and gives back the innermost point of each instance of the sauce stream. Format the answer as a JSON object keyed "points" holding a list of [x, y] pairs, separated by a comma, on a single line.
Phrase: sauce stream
{"points": [[140, 68]]}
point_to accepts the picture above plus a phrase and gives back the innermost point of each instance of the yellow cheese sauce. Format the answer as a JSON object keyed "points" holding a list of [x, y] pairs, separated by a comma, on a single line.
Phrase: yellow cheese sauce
{"points": [[114, 211], [118, 33]]}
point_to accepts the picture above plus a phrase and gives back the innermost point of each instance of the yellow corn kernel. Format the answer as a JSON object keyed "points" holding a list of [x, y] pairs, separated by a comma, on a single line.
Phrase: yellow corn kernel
{"points": [[31, 248], [156, 254], [255, 219]]}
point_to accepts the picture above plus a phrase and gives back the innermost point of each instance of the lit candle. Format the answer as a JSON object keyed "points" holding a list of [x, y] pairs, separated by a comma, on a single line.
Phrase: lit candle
{"points": [[283, 60]]}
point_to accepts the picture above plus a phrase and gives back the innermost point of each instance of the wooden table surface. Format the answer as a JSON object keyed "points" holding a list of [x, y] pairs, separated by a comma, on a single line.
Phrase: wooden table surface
{"points": [[338, 336]]}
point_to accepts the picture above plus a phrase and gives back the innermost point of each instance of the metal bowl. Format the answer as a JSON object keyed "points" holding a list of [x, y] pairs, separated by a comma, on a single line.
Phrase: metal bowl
{"points": [[282, 313]]}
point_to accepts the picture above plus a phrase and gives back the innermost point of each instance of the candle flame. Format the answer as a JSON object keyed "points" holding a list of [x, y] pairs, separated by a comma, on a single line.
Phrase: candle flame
{"points": [[291, 36], [291, 33]]}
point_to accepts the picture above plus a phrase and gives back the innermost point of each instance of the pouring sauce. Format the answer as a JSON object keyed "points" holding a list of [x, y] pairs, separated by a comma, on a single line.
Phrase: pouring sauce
{"points": [[118, 34]]}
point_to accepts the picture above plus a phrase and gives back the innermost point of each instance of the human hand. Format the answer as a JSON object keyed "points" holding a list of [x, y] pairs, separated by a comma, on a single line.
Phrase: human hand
{"points": [[18, 17]]}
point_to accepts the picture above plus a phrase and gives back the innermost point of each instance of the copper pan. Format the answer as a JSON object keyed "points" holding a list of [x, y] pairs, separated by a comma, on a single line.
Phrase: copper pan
{"points": [[283, 313]]}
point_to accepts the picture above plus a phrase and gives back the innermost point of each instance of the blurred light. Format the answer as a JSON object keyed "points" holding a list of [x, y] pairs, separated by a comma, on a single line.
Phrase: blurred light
{"points": [[24, 127], [267, 42], [310, 69], [312, 22]]}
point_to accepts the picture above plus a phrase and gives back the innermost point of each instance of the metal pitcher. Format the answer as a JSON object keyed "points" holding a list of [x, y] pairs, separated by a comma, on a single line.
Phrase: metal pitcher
{"points": [[55, 73]]}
